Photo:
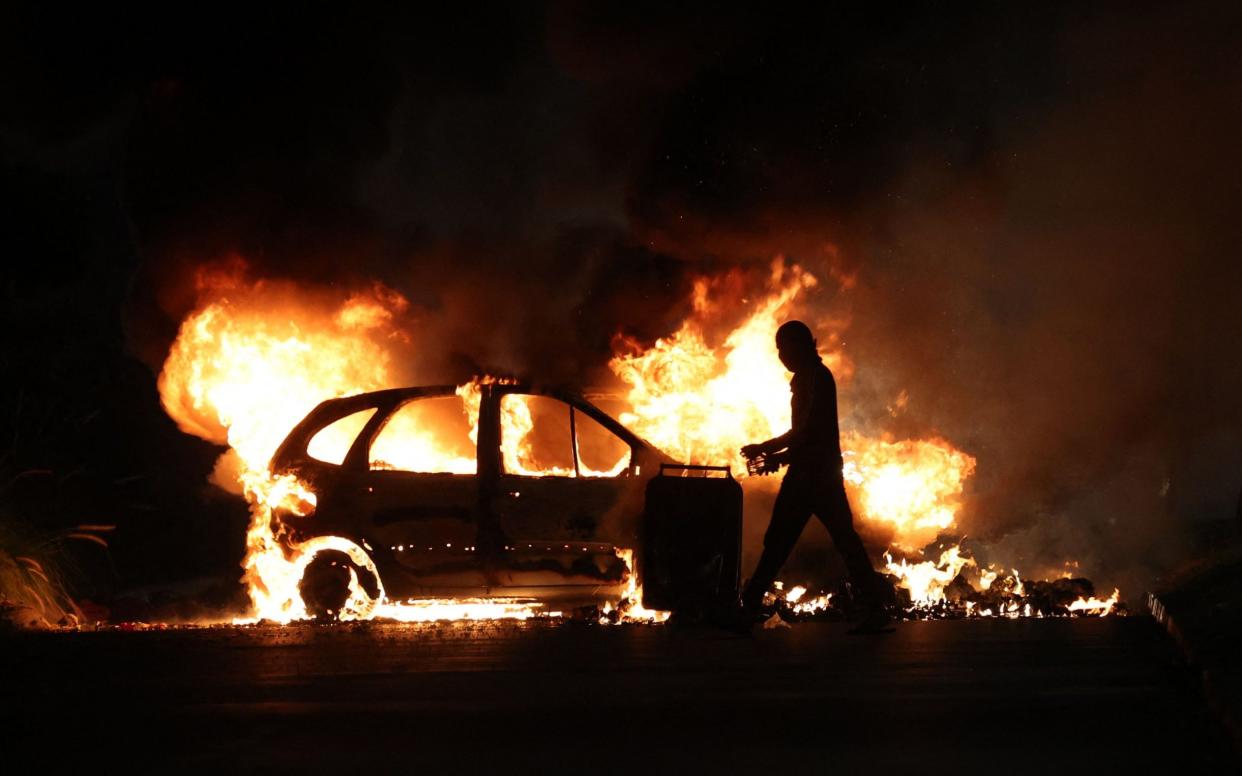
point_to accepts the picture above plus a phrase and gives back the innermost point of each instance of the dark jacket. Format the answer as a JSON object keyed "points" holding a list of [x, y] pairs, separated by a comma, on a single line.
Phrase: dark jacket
{"points": [[814, 439]]}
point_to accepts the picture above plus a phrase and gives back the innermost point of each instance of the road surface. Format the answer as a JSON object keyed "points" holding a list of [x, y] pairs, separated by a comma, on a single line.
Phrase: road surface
{"points": [[981, 696]]}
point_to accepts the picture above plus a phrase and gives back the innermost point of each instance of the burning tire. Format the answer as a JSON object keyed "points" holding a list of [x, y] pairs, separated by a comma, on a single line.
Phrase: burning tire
{"points": [[340, 583]]}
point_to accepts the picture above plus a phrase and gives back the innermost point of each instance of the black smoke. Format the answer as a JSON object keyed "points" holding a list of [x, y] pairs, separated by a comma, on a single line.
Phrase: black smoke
{"points": [[1032, 206]]}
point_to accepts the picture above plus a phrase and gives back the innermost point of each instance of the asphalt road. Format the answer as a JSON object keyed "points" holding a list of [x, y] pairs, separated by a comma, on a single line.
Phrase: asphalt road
{"points": [[1001, 696]]}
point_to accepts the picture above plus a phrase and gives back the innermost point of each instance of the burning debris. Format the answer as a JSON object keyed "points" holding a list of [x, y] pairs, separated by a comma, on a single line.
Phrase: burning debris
{"points": [[955, 587], [244, 371], [796, 602]]}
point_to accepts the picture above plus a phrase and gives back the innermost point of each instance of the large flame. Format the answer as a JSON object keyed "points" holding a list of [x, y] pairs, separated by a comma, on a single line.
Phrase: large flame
{"points": [[249, 363], [914, 485], [243, 375], [701, 404], [247, 366]]}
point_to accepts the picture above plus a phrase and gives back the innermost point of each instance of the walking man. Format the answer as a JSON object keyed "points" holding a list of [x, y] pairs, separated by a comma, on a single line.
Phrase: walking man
{"points": [[813, 484]]}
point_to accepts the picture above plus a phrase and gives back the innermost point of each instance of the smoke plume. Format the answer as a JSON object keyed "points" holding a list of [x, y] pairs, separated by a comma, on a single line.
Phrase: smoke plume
{"points": [[1022, 216]]}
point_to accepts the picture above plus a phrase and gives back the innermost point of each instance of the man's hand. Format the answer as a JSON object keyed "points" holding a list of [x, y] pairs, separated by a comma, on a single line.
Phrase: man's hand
{"points": [[750, 451], [763, 448], [760, 460]]}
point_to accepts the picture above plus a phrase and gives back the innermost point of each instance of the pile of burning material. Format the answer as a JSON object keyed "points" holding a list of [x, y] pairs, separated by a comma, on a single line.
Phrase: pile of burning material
{"points": [[944, 588], [953, 587], [795, 603], [1066, 597]]}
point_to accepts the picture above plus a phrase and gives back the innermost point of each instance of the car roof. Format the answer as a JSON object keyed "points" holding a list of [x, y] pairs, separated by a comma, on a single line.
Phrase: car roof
{"points": [[387, 400]]}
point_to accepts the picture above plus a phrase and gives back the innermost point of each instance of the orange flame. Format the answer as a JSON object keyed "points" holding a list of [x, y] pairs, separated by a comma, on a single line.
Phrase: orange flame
{"points": [[701, 404], [241, 375], [1093, 605], [800, 604], [244, 372], [630, 608], [915, 486], [250, 363], [926, 581]]}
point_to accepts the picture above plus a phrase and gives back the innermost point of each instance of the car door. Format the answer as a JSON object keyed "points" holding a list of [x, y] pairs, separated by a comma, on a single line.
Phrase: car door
{"points": [[563, 476], [420, 492]]}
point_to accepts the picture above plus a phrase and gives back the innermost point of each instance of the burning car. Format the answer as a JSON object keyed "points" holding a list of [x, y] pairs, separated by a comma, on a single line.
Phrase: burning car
{"points": [[487, 489]]}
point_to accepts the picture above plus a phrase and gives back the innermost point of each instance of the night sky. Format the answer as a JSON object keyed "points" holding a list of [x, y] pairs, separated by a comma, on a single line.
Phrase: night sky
{"points": [[1034, 208]]}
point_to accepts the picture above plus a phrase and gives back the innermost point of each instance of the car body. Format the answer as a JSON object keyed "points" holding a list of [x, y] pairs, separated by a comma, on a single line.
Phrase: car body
{"points": [[492, 531]]}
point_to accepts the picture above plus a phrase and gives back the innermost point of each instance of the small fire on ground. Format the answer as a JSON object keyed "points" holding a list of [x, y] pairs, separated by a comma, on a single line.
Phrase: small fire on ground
{"points": [[954, 586], [249, 363]]}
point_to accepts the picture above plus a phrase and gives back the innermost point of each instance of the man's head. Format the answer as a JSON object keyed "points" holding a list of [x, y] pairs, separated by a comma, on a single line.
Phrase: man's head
{"points": [[796, 346]]}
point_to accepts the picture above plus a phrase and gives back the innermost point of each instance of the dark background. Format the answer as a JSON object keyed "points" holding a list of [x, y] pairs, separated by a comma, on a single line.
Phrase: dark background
{"points": [[1026, 214]]}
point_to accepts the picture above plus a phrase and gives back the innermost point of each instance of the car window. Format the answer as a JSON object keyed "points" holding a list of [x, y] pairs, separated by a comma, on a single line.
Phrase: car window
{"points": [[600, 452], [534, 436], [537, 439], [331, 443], [427, 435]]}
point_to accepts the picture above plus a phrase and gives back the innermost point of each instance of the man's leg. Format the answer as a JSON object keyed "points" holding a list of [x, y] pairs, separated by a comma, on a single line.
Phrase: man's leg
{"points": [[833, 509], [789, 515]]}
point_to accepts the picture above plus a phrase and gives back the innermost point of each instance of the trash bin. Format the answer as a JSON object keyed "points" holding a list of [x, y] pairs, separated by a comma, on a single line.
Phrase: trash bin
{"points": [[692, 538]]}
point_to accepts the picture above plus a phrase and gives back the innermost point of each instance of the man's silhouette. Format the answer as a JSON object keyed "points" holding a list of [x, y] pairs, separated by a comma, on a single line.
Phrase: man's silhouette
{"points": [[813, 484]]}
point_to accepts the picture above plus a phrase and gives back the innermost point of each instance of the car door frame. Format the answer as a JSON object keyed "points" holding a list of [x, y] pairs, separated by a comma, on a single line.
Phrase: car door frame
{"points": [[492, 483]]}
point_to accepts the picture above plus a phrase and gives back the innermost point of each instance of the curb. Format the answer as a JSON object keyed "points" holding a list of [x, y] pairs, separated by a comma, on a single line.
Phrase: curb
{"points": [[1207, 680]]}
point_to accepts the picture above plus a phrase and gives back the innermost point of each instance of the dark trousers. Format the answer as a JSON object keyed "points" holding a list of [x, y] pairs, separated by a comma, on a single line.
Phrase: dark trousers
{"points": [[806, 491]]}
